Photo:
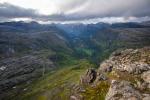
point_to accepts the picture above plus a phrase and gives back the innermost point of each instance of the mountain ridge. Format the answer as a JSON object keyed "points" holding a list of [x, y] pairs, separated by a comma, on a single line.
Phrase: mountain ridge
{"points": [[57, 48]]}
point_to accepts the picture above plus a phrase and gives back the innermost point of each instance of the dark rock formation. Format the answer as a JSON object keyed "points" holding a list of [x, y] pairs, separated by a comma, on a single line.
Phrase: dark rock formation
{"points": [[89, 77]]}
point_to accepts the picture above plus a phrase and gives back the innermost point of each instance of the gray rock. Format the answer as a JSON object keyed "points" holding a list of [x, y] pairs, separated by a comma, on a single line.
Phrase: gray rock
{"points": [[106, 66], [146, 98], [122, 91], [135, 68], [146, 76], [89, 77], [132, 61], [101, 77], [142, 85]]}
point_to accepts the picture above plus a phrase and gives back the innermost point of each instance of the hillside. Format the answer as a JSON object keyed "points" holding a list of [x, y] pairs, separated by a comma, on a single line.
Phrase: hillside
{"points": [[29, 51], [46, 61], [32, 37], [125, 75], [93, 40]]}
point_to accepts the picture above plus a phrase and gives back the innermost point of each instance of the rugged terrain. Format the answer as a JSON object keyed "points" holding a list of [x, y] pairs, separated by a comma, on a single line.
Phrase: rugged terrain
{"points": [[46, 61], [124, 76]]}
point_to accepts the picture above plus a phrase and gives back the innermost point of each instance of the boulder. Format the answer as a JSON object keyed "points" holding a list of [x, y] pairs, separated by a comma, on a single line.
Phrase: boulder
{"points": [[89, 77]]}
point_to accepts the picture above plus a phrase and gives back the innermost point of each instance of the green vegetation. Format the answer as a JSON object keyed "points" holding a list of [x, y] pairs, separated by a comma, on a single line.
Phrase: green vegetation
{"points": [[84, 52], [57, 84], [117, 75], [71, 54], [98, 92], [64, 59]]}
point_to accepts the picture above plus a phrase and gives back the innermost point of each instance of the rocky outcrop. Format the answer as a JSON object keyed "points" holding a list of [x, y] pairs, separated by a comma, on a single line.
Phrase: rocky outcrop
{"points": [[127, 72], [130, 60], [89, 77], [135, 63]]}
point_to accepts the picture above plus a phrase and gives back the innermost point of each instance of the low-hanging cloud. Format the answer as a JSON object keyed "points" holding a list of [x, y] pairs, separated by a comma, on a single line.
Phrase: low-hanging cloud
{"points": [[73, 10]]}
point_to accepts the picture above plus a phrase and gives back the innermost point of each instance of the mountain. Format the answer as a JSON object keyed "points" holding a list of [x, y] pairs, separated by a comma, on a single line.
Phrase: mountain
{"points": [[25, 37], [102, 38], [22, 37], [46, 61], [28, 51]]}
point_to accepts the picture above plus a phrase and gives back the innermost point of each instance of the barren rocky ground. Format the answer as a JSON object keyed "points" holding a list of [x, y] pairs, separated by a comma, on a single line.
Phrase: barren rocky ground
{"points": [[124, 76]]}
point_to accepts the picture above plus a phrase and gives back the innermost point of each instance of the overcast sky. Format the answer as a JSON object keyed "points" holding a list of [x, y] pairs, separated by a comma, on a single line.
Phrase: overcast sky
{"points": [[75, 10]]}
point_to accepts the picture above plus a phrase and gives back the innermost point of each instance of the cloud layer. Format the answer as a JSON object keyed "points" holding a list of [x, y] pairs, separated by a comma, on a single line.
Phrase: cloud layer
{"points": [[10, 11], [110, 8], [76, 10]]}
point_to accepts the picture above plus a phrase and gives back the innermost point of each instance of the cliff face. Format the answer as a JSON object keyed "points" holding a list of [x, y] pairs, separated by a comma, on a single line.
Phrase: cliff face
{"points": [[124, 76]]}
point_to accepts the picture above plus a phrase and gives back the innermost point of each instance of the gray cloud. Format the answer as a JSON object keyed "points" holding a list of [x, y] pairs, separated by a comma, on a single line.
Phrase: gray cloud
{"points": [[10, 11], [73, 10], [111, 8]]}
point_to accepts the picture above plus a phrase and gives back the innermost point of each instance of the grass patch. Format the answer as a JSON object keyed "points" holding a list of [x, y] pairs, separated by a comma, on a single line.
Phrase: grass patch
{"points": [[55, 85], [96, 93], [117, 75]]}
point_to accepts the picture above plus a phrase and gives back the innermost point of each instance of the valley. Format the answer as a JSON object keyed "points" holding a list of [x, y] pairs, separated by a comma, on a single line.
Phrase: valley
{"points": [[46, 62]]}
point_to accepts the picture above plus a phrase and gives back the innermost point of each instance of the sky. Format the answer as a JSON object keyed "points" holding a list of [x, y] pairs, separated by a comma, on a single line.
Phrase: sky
{"points": [[75, 11]]}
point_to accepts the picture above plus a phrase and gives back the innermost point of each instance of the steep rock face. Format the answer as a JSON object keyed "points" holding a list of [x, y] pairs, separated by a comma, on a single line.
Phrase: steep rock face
{"points": [[126, 75]]}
